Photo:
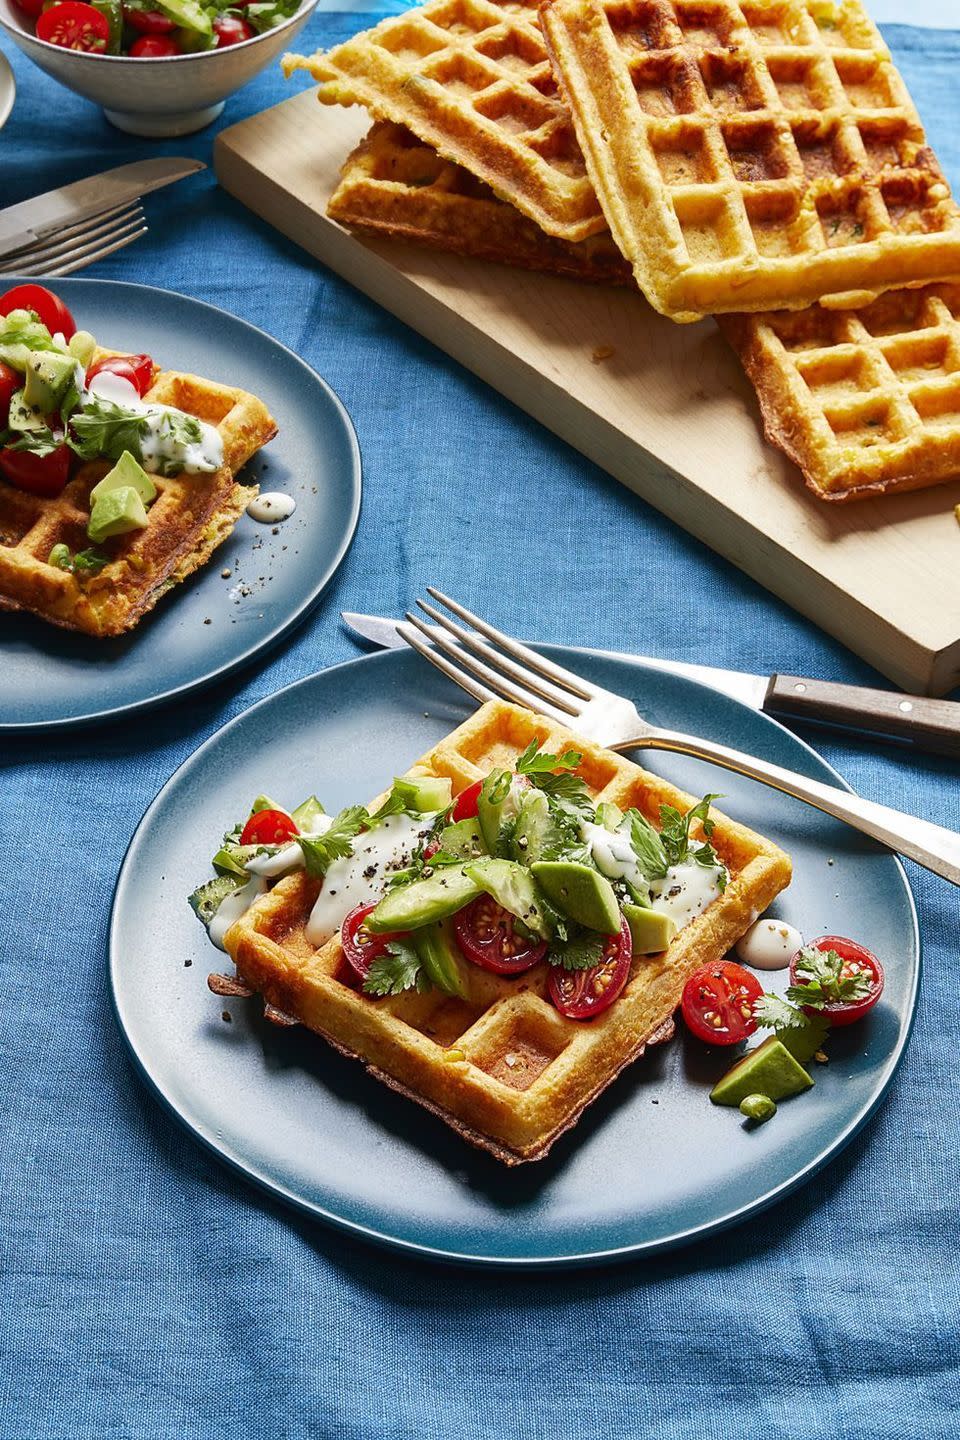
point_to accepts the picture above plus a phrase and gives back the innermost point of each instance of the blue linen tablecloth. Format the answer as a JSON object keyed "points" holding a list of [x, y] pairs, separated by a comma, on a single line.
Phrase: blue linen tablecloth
{"points": [[147, 1292]]}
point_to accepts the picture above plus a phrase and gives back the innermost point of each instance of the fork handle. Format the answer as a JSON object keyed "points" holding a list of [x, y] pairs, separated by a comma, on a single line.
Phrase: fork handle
{"points": [[932, 846]]}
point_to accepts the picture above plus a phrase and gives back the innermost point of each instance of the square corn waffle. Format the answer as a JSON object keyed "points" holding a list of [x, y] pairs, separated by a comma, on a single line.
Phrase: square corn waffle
{"points": [[190, 517], [472, 79], [504, 1068], [755, 155], [865, 401], [392, 184]]}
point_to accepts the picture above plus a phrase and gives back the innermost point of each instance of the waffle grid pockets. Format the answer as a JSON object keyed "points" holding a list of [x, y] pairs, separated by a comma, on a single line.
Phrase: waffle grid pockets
{"points": [[472, 79], [503, 1067], [866, 402], [190, 517], [752, 156], [392, 184]]}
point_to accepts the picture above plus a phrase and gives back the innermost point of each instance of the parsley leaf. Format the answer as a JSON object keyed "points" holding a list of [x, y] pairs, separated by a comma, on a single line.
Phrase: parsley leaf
{"points": [[581, 953], [320, 851], [821, 982], [534, 761], [398, 970], [102, 428]]}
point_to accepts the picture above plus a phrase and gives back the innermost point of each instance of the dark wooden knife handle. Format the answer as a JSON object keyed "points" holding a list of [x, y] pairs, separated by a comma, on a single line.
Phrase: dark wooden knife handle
{"points": [[930, 724]]}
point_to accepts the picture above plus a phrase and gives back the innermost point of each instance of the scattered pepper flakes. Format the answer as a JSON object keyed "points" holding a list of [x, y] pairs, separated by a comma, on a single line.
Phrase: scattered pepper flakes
{"points": [[226, 1017], [187, 964], [602, 352], [208, 621]]}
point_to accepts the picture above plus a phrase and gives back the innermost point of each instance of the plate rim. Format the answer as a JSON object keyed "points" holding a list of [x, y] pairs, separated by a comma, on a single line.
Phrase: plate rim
{"points": [[575, 1260], [7, 98], [269, 641]]}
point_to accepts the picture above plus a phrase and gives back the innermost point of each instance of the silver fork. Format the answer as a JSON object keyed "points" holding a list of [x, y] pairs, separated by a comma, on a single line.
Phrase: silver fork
{"points": [[508, 670], [91, 239]]}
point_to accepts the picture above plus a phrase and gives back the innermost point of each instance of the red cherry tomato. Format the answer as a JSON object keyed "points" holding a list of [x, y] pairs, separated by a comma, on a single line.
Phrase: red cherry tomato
{"points": [[487, 935], [718, 1002], [857, 960], [360, 946], [49, 308], [74, 25], [430, 850], [268, 827], [154, 47], [37, 474], [582, 994], [10, 382], [465, 805], [138, 369], [31, 7], [230, 30], [149, 22]]}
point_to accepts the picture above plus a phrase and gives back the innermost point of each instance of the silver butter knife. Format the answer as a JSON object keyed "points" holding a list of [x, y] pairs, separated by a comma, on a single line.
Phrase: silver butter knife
{"points": [[44, 215], [930, 725]]}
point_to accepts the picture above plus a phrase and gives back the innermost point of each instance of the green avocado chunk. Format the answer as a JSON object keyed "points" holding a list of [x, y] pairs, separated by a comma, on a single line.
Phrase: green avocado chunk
{"points": [[440, 958], [580, 892], [512, 886], [127, 472], [410, 907], [116, 513], [307, 814], [22, 416], [651, 930], [768, 1070], [49, 376]]}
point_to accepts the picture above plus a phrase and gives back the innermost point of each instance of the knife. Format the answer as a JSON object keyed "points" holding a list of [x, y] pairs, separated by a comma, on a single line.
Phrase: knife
{"points": [[32, 221], [930, 725]]}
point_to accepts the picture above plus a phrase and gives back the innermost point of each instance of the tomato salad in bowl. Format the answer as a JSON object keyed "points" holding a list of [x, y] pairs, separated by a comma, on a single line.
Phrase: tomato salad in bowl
{"points": [[148, 29]]}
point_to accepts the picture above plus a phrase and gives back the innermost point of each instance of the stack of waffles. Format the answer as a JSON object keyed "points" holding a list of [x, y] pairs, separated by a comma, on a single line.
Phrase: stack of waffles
{"points": [[756, 160]]}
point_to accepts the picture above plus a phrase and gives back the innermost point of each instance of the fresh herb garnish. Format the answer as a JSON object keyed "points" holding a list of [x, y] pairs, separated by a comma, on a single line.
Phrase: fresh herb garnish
{"points": [[675, 834], [85, 562], [647, 846], [39, 441], [102, 428], [821, 982], [803, 1034], [535, 761], [581, 953], [398, 970], [320, 851]]}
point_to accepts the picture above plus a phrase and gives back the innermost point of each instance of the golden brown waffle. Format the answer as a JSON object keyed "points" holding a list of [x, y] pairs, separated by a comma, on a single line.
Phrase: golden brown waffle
{"points": [[503, 1067], [471, 78], [752, 156], [392, 184], [864, 401], [190, 517]]}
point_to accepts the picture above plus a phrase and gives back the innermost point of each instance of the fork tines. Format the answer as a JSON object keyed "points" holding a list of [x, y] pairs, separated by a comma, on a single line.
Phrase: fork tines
{"points": [[78, 245]]}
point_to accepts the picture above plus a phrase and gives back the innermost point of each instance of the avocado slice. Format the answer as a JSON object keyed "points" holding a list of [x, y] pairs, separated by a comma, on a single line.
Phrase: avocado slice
{"points": [[512, 886], [651, 930], [23, 416], [768, 1070], [440, 958], [533, 823], [464, 839], [580, 892], [49, 376], [410, 907], [127, 472], [306, 815], [116, 513]]}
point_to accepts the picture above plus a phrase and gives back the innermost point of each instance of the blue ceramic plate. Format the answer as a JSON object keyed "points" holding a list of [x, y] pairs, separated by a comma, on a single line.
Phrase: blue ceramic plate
{"points": [[54, 677], [652, 1164]]}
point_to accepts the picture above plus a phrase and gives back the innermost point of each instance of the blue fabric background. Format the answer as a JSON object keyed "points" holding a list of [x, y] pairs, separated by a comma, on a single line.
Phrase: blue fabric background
{"points": [[146, 1291]]}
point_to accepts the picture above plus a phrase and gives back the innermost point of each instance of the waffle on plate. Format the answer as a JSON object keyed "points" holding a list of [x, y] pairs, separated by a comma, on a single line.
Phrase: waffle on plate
{"points": [[502, 1066], [190, 517], [393, 184], [752, 156]]}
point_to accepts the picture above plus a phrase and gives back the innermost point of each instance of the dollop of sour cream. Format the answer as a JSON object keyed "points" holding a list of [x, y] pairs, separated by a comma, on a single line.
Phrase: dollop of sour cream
{"points": [[160, 448], [359, 879], [769, 945], [271, 507]]}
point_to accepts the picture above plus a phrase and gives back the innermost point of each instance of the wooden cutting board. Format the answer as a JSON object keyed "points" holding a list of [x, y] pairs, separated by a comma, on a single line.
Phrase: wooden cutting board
{"points": [[662, 407]]}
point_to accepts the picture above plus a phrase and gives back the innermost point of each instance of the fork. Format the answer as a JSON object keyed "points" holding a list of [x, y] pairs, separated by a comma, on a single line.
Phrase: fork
{"points": [[509, 670], [91, 239]]}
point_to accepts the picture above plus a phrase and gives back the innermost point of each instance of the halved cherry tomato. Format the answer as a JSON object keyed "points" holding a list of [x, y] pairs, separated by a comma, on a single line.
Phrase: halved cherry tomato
{"points": [[10, 383], [582, 994], [360, 946], [465, 805], [857, 960], [154, 47], [487, 935], [268, 827], [49, 308], [75, 25], [430, 850], [230, 30], [718, 1002], [149, 22], [138, 369], [31, 7], [37, 474]]}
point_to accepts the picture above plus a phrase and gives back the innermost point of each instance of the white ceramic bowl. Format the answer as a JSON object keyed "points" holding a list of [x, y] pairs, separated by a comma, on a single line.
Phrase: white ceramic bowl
{"points": [[168, 95]]}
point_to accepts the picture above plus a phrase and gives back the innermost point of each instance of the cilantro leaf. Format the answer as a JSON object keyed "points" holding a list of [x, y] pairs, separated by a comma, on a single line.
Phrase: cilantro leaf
{"points": [[821, 981], [581, 953], [802, 1034], [675, 831], [102, 428], [398, 970], [320, 851], [40, 441], [534, 761], [647, 846], [777, 1013]]}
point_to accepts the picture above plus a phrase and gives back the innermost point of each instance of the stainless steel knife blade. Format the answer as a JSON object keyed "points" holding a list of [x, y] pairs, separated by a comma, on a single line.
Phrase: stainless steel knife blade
{"points": [[37, 219]]}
